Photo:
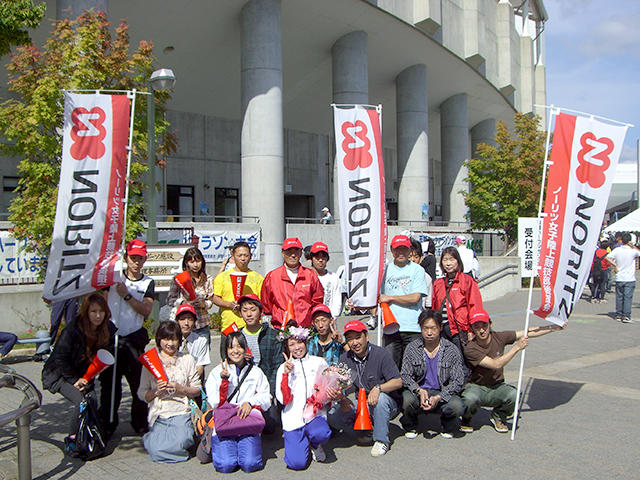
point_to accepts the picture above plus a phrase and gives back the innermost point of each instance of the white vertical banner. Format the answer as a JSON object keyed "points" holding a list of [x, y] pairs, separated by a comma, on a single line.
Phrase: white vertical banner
{"points": [[361, 197], [90, 209], [583, 163], [529, 245]]}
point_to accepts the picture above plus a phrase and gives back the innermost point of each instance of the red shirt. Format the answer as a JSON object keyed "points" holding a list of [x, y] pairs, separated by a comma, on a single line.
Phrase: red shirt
{"points": [[464, 298], [277, 289]]}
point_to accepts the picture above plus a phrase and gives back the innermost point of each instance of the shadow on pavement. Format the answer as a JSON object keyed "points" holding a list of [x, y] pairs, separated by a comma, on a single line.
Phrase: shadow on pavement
{"points": [[542, 394]]}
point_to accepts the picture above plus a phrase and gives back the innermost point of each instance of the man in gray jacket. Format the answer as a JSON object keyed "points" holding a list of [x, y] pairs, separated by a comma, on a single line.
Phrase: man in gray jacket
{"points": [[433, 375]]}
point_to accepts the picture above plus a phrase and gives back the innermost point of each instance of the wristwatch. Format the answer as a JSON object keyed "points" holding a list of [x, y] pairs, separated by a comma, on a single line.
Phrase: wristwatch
{"points": [[127, 297]]}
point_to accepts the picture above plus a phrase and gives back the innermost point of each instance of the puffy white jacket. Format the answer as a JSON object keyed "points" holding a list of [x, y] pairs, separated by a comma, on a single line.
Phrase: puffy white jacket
{"points": [[301, 380]]}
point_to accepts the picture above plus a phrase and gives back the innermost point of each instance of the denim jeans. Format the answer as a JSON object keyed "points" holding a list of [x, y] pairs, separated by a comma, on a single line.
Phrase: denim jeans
{"points": [[7, 340], [624, 296], [501, 396], [385, 411]]}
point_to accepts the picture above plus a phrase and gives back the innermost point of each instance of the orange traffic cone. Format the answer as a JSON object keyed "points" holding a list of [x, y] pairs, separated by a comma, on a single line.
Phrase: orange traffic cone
{"points": [[388, 320], [363, 420], [289, 315]]}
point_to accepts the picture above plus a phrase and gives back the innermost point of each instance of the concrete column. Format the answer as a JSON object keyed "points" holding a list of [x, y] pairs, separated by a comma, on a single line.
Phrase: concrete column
{"points": [[261, 147], [483, 132], [350, 82], [412, 123], [454, 126], [74, 8]]}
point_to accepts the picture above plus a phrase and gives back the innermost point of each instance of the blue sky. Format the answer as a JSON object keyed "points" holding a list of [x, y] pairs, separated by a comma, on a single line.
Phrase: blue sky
{"points": [[593, 60]]}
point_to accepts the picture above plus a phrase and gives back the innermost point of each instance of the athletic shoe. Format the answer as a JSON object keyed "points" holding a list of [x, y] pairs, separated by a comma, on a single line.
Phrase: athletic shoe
{"points": [[411, 434], [446, 435], [318, 454], [379, 449], [366, 439], [372, 323], [625, 320], [603, 300], [466, 426], [499, 425]]}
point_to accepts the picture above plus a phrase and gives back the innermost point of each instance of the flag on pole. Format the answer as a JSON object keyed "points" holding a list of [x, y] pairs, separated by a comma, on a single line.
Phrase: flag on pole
{"points": [[361, 199], [583, 162], [90, 209]]}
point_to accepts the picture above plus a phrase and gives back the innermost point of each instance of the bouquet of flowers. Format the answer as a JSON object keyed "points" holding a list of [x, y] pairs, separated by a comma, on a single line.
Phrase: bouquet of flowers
{"points": [[337, 376]]}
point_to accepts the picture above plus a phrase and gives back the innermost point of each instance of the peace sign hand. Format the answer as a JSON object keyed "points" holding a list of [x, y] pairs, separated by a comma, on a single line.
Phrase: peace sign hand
{"points": [[224, 373], [288, 362], [335, 336]]}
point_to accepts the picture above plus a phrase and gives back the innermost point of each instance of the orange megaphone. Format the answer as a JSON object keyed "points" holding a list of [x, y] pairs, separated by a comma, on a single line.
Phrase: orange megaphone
{"points": [[289, 315], [388, 320], [183, 280], [151, 360], [363, 420], [230, 329], [102, 360], [237, 283]]}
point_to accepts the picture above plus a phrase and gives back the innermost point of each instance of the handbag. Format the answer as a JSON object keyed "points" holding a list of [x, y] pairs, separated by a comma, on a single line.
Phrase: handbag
{"points": [[196, 411]]}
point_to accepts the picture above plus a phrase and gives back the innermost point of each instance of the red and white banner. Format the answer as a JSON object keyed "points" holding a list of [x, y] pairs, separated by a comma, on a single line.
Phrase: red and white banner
{"points": [[583, 163], [361, 200], [90, 211]]}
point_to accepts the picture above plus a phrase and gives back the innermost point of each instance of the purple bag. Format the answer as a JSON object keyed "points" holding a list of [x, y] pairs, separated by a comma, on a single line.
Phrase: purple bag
{"points": [[228, 424]]}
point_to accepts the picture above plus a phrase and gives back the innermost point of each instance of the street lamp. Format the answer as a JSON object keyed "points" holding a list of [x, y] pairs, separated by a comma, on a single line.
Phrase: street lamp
{"points": [[162, 79]]}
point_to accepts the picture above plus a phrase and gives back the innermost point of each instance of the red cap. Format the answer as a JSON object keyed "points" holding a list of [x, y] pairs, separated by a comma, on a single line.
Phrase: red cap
{"points": [[320, 308], [137, 247], [355, 326], [186, 307], [400, 241], [291, 243], [461, 239], [249, 296], [319, 247], [480, 316]]}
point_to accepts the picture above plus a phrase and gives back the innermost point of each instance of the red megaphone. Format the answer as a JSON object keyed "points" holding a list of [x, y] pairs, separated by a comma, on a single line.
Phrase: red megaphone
{"points": [[389, 322], [151, 360], [237, 283], [183, 280], [289, 315], [102, 360], [230, 329], [363, 420]]}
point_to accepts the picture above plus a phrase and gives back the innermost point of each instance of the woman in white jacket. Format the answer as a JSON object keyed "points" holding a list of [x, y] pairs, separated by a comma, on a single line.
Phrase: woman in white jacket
{"points": [[244, 451], [294, 385]]}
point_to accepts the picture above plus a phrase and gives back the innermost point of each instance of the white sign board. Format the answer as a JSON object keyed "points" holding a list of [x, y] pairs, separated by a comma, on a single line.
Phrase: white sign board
{"points": [[529, 245]]}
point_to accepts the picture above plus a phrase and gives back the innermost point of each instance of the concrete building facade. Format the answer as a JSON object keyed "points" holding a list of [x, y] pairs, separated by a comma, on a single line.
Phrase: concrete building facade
{"points": [[256, 78]]}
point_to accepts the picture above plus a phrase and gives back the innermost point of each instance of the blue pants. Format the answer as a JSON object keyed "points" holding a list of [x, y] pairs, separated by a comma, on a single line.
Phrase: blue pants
{"points": [[244, 451], [169, 439], [624, 296], [381, 415], [297, 442], [8, 340]]}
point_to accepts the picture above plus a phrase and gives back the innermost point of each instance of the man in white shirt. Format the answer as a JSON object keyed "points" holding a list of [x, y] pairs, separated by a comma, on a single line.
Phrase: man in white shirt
{"points": [[623, 260], [470, 264], [196, 345], [330, 281]]}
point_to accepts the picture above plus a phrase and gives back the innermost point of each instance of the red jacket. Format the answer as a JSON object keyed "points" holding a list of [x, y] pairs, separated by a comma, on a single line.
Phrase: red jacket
{"points": [[464, 296], [277, 289]]}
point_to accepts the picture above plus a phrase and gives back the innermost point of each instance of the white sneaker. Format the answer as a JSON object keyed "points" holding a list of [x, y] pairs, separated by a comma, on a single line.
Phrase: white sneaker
{"points": [[446, 435], [379, 449], [318, 454], [410, 434]]}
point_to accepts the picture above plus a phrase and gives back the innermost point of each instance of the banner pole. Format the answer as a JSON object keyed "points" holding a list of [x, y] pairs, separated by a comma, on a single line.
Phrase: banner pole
{"points": [[552, 112], [132, 96]]}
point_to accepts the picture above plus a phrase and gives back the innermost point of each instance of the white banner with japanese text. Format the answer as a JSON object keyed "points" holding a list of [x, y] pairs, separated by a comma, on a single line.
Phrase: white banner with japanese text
{"points": [[528, 245], [583, 161], [361, 194], [214, 244], [90, 210], [16, 264]]}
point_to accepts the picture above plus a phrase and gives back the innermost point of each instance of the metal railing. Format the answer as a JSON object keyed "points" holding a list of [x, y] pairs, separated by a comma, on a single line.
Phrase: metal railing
{"points": [[497, 274], [22, 415], [182, 218]]}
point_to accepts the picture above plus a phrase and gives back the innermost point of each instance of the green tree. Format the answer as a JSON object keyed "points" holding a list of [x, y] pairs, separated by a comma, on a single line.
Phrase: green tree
{"points": [[79, 54], [505, 178], [16, 16]]}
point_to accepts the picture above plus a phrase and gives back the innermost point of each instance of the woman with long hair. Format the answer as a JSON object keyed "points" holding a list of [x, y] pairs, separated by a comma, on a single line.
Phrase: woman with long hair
{"points": [[194, 263], [240, 383], [170, 434], [456, 296], [75, 349]]}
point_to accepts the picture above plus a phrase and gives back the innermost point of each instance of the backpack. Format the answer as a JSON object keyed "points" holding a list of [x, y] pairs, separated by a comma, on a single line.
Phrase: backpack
{"points": [[596, 267], [89, 441]]}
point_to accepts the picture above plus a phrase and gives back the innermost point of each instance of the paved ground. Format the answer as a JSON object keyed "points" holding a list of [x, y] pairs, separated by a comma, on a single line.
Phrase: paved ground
{"points": [[579, 419]]}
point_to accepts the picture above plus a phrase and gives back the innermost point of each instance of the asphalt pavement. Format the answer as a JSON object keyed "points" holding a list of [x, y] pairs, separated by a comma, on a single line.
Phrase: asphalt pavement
{"points": [[579, 417]]}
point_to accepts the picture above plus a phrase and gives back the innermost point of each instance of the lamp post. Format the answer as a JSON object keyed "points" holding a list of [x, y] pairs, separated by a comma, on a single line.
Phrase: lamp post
{"points": [[162, 79]]}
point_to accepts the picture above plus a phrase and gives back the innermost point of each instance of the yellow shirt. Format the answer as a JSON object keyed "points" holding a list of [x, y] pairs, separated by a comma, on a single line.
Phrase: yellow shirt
{"points": [[222, 288]]}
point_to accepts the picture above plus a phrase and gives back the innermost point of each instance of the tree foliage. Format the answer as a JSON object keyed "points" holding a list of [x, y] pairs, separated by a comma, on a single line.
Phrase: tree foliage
{"points": [[79, 54], [16, 16], [505, 178]]}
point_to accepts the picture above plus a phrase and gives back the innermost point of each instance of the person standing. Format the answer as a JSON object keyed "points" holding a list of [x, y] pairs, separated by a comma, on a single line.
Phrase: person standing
{"points": [[470, 264], [291, 282], [403, 287], [330, 281], [130, 302], [623, 260], [327, 218]]}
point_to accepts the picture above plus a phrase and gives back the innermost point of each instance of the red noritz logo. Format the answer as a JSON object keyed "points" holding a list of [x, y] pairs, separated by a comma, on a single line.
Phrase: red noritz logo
{"points": [[88, 133]]}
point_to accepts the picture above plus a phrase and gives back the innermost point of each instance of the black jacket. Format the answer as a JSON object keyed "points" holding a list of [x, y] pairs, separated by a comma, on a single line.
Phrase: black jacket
{"points": [[68, 362]]}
